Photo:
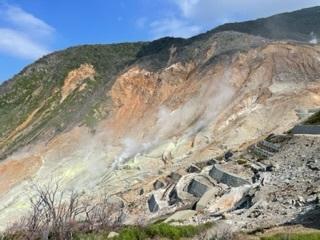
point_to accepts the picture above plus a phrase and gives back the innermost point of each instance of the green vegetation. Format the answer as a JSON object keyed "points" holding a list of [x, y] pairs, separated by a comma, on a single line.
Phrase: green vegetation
{"points": [[242, 161], [91, 236], [294, 236], [160, 230], [38, 86], [314, 119]]}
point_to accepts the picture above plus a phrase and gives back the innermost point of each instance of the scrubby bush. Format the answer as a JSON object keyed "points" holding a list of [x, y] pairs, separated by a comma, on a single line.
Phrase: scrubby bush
{"points": [[162, 230], [294, 236], [56, 214]]}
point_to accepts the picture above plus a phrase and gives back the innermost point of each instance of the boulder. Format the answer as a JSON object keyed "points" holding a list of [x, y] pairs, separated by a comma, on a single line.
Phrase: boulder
{"points": [[270, 168], [152, 204], [158, 184], [115, 202], [228, 155], [193, 169], [230, 201], [181, 216], [207, 197], [196, 188], [301, 199], [113, 235], [167, 152], [167, 156], [141, 192], [211, 162], [312, 199], [175, 177]]}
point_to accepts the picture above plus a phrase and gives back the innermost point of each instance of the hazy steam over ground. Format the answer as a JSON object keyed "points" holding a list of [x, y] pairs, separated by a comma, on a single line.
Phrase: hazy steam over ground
{"points": [[186, 120], [314, 39]]}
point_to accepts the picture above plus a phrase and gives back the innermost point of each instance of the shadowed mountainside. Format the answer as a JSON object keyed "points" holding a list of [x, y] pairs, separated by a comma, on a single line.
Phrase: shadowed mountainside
{"points": [[298, 25]]}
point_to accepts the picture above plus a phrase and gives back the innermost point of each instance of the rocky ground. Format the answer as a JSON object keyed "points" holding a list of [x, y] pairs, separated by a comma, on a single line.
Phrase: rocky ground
{"points": [[283, 188], [291, 189]]}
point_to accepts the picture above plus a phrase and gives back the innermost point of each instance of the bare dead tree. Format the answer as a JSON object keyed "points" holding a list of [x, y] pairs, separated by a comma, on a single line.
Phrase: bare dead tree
{"points": [[101, 214], [53, 212], [57, 214]]}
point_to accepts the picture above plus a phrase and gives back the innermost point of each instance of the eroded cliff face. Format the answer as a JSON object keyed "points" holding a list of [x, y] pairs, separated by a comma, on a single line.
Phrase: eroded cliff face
{"points": [[160, 121], [76, 78]]}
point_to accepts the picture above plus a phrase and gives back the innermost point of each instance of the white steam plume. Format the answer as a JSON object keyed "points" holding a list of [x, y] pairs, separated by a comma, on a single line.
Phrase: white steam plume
{"points": [[188, 119], [314, 39]]}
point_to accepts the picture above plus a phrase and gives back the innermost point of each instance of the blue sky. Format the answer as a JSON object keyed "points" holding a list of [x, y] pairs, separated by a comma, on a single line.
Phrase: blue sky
{"points": [[30, 29]]}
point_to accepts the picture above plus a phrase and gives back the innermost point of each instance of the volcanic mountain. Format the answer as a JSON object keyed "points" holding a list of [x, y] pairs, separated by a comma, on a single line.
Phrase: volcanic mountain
{"points": [[116, 117]]}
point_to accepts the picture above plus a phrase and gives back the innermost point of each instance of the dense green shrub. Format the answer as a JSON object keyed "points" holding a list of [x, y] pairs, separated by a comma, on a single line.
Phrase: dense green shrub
{"points": [[153, 231], [314, 119]]}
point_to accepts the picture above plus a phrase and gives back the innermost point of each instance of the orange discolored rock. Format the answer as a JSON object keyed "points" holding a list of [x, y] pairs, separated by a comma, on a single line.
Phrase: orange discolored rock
{"points": [[76, 79], [12, 172]]}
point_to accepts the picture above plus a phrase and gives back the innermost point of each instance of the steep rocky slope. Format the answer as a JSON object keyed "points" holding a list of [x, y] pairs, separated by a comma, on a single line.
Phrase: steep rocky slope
{"points": [[114, 118], [301, 25]]}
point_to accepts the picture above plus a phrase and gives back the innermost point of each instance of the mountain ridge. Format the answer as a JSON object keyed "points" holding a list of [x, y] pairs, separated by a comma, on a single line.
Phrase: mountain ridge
{"points": [[297, 25], [233, 26]]}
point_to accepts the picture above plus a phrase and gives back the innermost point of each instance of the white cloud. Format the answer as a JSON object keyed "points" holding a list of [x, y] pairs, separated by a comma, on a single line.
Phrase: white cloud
{"points": [[173, 27], [193, 16], [213, 12], [22, 34], [17, 44], [27, 21]]}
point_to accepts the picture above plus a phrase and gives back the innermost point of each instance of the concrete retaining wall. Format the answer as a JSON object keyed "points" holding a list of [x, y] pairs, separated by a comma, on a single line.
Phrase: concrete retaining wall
{"points": [[261, 152], [229, 179], [271, 147], [305, 113], [306, 129]]}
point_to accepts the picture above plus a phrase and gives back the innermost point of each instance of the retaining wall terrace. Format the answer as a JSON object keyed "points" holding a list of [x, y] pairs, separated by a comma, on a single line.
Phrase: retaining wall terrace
{"points": [[306, 129], [227, 178]]}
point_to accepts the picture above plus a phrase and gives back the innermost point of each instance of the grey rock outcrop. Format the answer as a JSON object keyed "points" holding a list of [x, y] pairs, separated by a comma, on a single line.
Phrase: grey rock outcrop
{"points": [[230, 201], [158, 184], [181, 216], [206, 198], [193, 169], [175, 177], [115, 202]]}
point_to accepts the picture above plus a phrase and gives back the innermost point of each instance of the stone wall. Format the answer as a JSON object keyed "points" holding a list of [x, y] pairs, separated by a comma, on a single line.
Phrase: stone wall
{"points": [[305, 113], [306, 129], [229, 179]]}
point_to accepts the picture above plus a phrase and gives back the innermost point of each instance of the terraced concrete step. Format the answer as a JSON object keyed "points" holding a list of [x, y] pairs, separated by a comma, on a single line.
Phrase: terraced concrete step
{"points": [[268, 146], [306, 129], [261, 152], [220, 175]]}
